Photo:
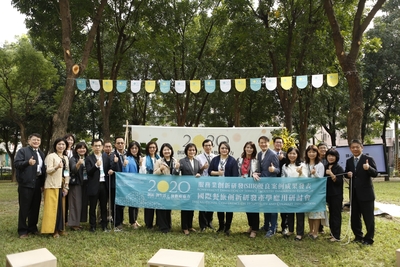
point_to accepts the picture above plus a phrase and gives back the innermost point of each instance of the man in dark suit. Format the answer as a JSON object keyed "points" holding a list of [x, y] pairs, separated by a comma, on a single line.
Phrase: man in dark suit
{"points": [[118, 160], [97, 167], [269, 167], [31, 173], [360, 169], [278, 150]]}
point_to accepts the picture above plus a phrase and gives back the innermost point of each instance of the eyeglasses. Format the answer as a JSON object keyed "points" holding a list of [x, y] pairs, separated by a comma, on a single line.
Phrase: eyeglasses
{"points": [[152, 147], [120, 143]]}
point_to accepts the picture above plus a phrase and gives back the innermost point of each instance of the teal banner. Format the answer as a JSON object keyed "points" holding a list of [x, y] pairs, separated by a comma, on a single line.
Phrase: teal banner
{"points": [[229, 194]]}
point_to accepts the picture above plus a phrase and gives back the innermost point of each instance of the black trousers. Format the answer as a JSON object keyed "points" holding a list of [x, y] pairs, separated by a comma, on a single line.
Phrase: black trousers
{"points": [[299, 223], [225, 225], [284, 221], [253, 220], [164, 220], [149, 217], [29, 205], [366, 209], [335, 214], [133, 214], [101, 196], [205, 219], [116, 210], [187, 219]]}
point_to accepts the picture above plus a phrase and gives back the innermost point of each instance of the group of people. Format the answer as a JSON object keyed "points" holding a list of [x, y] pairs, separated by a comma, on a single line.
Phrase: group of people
{"points": [[73, 180]]}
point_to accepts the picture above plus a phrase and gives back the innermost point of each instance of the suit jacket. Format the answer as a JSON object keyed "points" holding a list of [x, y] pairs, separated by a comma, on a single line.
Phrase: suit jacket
{"points": [[166, 171], [27, 174], [361, 181], [254, 167], [187, 169], [75, 173], [270, 157], [335, 188], [115, 166], [231, 167], [93, 173]]}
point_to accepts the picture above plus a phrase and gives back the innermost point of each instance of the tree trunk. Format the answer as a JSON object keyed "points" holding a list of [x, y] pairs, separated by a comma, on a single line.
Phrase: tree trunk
{"points": [[60, 118], [347, 61]]}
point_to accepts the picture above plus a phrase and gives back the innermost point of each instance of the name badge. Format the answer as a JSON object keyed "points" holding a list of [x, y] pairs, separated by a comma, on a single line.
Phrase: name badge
{"points": [[66, 173], [101, 172]]}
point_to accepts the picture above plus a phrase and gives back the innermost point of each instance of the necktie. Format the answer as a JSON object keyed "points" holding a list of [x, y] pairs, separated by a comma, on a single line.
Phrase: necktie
{"points": [[355, 162]]}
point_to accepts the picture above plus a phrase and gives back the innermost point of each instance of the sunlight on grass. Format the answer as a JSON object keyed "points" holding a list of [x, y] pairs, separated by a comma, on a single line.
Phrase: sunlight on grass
{"points": [[135, 247]]}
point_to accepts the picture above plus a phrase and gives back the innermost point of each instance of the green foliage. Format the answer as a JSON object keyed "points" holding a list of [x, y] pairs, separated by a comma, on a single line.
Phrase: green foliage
{"points": [[289, 139]]}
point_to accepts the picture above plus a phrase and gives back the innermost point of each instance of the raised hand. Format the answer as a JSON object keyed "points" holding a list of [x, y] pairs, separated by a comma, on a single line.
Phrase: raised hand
{"points": [[115, 158], [299, 170], [366, 165], [313, 171], [271, 168], [32, 161]]}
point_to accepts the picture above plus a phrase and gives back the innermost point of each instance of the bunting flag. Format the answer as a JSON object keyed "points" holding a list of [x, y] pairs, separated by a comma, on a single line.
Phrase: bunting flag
{"points": [[240, 85], [332, 79], [255, 84], [165, 86], [286, 82], [301, 81], [271, 83], [94, 84], [135, 86], [81, 84], [150, 86], [317, 80], [121, 86], [107, 85], [180, 87], [195, 86], [209, 85], [225, 85]]}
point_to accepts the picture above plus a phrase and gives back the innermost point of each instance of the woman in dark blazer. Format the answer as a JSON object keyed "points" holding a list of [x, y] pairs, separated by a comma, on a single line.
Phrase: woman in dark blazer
{"points": [[224, 165], [189, 166], [334, 192], [77, 196]]}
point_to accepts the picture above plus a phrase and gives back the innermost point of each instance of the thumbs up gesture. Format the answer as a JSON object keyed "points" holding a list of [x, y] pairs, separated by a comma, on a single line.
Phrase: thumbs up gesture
{"points": [[115, 158], [32, 161], [271, 168], [328, 171], [299, 170], [313, 171], [366, 165]]}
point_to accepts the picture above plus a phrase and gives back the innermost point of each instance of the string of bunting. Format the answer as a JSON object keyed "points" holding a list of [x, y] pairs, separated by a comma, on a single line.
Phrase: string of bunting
{"points": [[270, 83]]}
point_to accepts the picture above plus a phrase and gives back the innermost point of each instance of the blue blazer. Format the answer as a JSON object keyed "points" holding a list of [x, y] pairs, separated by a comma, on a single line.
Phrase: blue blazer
{"points": [[132, 166], [231, 167], [270, 157]]}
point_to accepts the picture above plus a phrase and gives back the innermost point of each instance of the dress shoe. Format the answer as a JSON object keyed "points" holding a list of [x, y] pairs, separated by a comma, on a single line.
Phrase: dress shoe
{"points": [[220, 229], [366, 243], [228, 232], [202, 230], [35, 233], [92, 229], [357, 240], [23, 236]]}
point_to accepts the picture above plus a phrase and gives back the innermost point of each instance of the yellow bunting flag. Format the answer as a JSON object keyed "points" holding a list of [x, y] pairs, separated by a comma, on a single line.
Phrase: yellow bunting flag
{"points": [[195, 86], [150, 86], [286, 82], [240, 84], [107, 85], [332, 79]]}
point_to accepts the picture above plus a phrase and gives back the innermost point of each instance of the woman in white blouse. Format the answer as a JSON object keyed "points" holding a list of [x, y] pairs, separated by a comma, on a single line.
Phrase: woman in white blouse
{"points": [[294, 168], [316, 169]]}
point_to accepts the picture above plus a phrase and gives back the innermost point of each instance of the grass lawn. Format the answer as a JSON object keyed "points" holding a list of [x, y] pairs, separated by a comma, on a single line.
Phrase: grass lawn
{"points": [[135, 247]]}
